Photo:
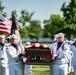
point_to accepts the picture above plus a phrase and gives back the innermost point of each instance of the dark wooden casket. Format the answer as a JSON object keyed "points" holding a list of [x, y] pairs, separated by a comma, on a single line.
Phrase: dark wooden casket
{"points": [[38, 56]]}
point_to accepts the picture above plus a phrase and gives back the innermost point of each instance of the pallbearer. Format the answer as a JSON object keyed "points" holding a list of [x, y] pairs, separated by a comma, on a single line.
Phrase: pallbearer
{"points": [[28, 68], [59, 55], [13, 51], [3, 57]]}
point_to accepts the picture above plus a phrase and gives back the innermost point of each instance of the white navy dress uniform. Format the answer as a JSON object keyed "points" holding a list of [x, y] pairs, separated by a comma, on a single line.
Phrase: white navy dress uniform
{"points": [[73, 49], [15, 63], [28, 68], [70, 68], [3, 58], [59, 65]]}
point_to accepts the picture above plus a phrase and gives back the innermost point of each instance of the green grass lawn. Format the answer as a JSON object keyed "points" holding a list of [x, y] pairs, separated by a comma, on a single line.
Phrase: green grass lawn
{"points": [[42, 70]]}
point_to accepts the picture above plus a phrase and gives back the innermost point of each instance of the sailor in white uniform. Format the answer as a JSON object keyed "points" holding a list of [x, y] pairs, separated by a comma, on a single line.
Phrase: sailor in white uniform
{"points": [[56, 39], [73, 49], [59, 55], [70, 68], [28, 68], [13, 50], [3, 57]]}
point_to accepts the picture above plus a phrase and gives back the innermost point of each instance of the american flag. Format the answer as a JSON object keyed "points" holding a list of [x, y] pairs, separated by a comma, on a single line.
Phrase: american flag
{"points": [[5, 25]]}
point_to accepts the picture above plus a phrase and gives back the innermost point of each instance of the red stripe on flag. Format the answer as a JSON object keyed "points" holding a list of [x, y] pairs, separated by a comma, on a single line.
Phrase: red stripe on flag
{"points": [[41, 45], [33, 45], [5, 32], [5, 27]]}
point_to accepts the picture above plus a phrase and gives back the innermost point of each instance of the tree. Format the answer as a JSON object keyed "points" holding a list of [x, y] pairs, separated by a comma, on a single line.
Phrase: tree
{"points": [[53, 25], [24, 32], [2, 10], [25, 17], [69, 12], [46, 28], [69, 15], [35, 30]]}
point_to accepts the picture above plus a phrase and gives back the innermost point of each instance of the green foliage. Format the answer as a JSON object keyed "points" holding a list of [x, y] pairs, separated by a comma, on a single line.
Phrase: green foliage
{"points": [[69, 12], [35, 30], [23, 32], [2, 10], [25, 17], [69, 15], [67, 24], [53, 25]]}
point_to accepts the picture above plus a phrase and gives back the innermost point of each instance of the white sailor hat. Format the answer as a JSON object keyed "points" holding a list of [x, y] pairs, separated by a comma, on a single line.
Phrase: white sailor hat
{"points": [[75, 39], [13, 36], [66, 40], [56, 35], [55, 39], [2, 36], [61, 35], [71, 42], [27, 43]]}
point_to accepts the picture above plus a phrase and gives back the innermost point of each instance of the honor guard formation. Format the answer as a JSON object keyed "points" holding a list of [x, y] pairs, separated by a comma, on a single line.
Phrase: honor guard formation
{"points": [[13, 56]]}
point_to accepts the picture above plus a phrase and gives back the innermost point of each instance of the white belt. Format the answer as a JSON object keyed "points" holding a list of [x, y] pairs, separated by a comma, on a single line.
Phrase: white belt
{"points": [[16, 60], [60, 61]]}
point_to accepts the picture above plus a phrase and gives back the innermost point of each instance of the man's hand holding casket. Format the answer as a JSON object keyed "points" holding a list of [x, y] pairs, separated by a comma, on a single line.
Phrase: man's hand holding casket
{"points": [[53, 56], [23, 57]]}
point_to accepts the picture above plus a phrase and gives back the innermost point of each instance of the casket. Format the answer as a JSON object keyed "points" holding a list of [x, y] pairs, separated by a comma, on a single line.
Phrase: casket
{"points": [[38, 54]]}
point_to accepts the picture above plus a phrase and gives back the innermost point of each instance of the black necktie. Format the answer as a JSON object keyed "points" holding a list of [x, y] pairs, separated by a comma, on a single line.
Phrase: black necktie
{"points": [[59, 45], [15, 46], [2, 44]]}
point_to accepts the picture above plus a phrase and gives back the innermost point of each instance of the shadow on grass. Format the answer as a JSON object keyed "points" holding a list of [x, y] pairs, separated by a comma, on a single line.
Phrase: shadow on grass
{"points": [[71, 73], [43, 70]]}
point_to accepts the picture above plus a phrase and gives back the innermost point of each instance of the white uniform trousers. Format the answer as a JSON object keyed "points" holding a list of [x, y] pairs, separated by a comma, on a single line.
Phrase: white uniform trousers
{"points": [[74, 68], [15, 69], [28, 69], [59, 69], [4, 69]]}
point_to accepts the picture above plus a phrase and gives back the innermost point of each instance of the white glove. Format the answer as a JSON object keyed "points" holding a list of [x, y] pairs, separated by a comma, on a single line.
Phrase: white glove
{"points": [[52, 58], [24, 59]]}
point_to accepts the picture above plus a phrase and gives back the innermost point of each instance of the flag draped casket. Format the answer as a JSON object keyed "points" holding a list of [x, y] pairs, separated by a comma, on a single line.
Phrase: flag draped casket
{"points": [[38, 54]]}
